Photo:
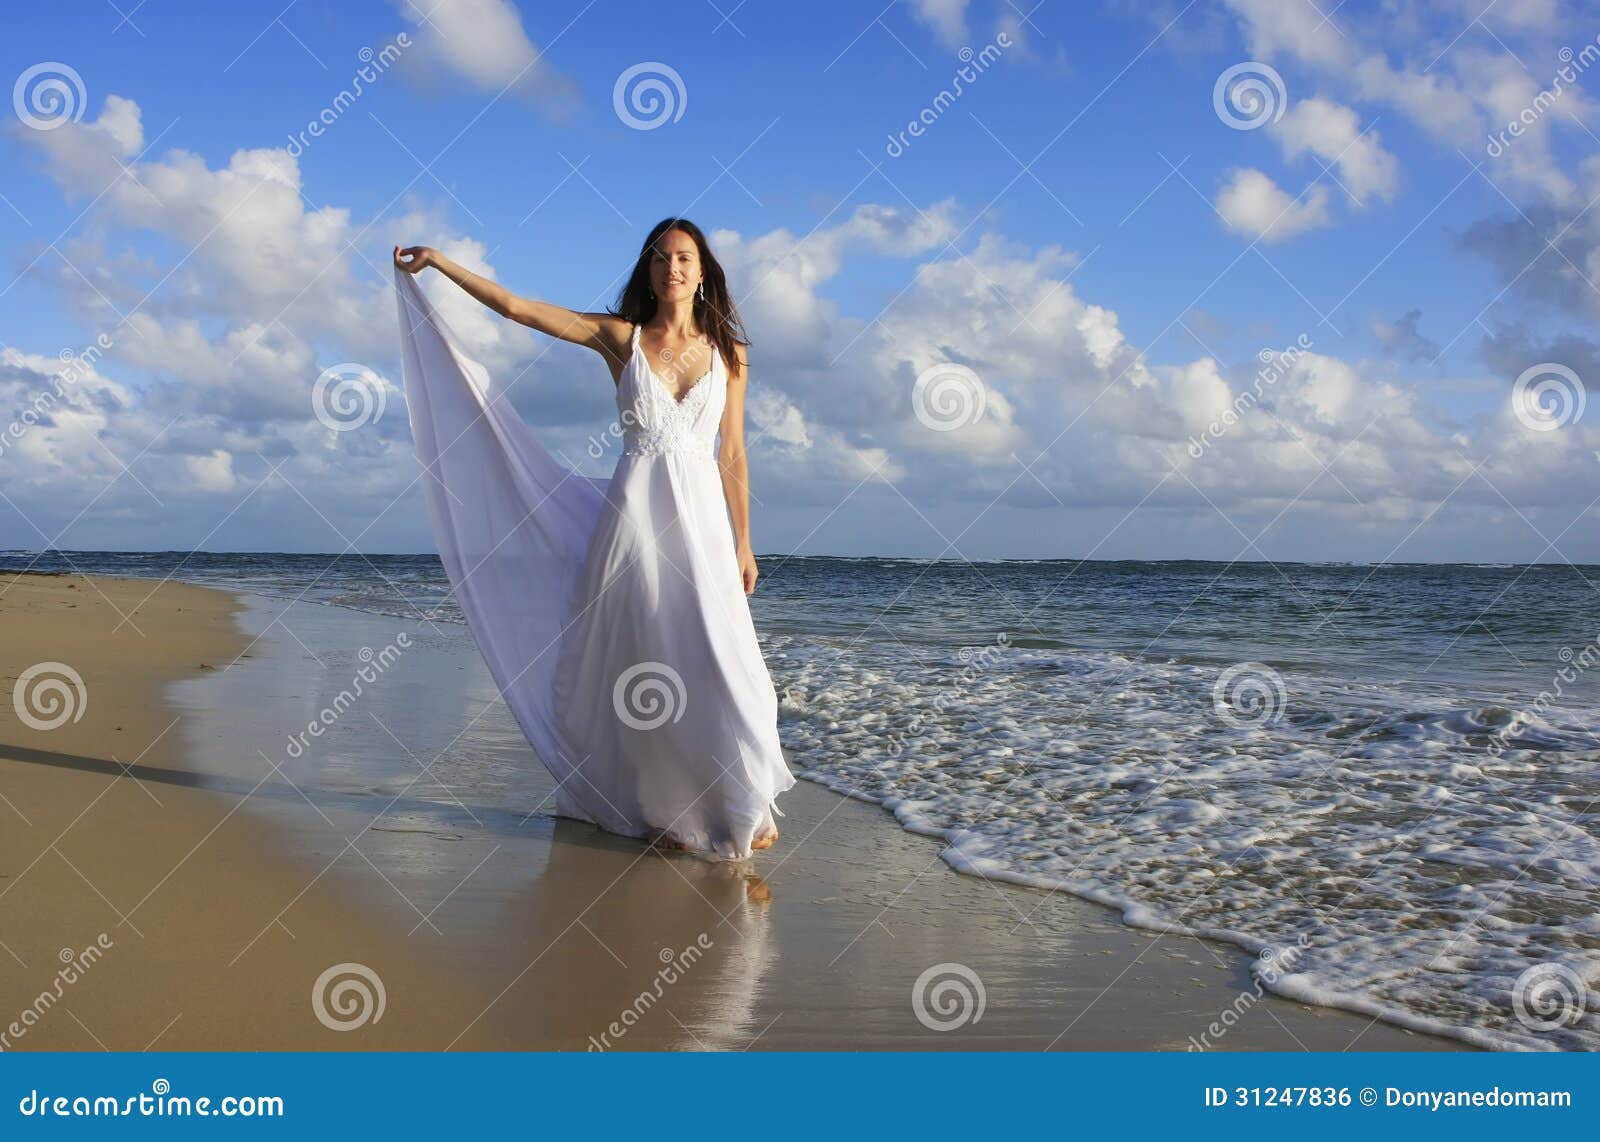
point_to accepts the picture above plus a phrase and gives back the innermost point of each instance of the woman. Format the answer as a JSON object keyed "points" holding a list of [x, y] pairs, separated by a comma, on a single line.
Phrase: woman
{"points": [[613, 613]]}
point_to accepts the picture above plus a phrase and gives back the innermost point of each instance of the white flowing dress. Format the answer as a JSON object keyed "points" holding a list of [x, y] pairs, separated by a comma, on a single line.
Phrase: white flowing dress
{"points": [[610, 612]]}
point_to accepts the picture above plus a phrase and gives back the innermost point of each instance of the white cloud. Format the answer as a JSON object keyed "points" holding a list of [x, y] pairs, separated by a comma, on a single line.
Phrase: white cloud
{"points": [[483, 42], [213, 472], [794, 454], [777, 419], [948, 19], [227, 348], [1272, 26], [1465, 85], [776, 274], [1521, 15], [1251, 204], [253, 249], [54, 426], [1457, 90], [1434, 101], [1333, 132]]}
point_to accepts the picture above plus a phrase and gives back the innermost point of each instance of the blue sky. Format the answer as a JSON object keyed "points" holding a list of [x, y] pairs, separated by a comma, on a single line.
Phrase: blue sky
{"points": [[1081, 231]]}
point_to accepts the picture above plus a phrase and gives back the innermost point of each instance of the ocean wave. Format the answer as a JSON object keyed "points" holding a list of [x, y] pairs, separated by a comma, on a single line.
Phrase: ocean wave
{"points": [[1426, 854]]}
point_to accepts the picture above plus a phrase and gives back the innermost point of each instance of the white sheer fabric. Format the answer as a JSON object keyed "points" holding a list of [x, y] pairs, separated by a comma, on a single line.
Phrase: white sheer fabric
{"points": [[610, 612]]}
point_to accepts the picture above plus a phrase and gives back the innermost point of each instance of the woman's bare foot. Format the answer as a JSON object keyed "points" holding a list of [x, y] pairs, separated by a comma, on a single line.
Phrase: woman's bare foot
{"points": [[766, 841]]}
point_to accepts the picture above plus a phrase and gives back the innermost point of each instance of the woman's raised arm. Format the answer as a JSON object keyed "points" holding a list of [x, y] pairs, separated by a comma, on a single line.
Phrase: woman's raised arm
{"points": [[598, 331]]}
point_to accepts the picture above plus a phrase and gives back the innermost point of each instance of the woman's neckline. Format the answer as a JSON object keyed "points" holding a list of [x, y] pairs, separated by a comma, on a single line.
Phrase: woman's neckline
{"points": [[638, 329]]}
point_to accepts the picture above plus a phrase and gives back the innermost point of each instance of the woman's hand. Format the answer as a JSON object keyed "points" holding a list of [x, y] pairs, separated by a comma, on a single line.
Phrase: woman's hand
{"points": [[420, 257], [747, 567]]}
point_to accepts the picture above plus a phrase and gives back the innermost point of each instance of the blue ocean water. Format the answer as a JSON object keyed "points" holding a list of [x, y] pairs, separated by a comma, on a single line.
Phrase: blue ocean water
{"points": [[1382, 778]]}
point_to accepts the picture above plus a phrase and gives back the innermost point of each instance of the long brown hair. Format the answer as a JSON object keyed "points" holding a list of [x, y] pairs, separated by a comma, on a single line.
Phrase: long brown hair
{"points": [[716, 314]]}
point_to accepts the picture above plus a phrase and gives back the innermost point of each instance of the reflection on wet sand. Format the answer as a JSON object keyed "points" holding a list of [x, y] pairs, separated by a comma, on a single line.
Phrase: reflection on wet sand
{"points": [[638, 949], [423, 811]]}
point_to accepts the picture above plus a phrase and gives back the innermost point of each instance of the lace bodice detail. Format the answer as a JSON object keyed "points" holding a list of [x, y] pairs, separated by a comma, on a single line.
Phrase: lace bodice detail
{"points": [[654, 423]]}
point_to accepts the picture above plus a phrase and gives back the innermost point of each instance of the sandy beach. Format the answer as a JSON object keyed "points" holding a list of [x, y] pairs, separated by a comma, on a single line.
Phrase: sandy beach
{"points": [[250, 795]]}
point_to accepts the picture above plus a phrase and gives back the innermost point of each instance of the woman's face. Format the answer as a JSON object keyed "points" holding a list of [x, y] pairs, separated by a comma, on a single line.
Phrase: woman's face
{"points": [[675, 266]]}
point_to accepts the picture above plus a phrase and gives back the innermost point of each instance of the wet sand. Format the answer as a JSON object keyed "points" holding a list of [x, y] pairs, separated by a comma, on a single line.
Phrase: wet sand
{"points": [[232, 855], [127, 889]]}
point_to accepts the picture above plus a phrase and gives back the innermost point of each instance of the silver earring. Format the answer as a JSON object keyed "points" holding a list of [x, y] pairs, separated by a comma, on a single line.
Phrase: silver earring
{"points": [[701, 292]]}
